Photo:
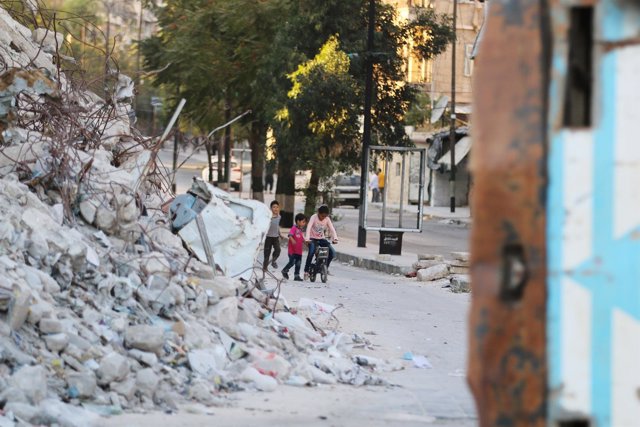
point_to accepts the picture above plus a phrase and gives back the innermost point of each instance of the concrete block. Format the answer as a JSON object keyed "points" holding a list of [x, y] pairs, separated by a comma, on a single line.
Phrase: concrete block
{"points": [[433, 273], [461, 283]]}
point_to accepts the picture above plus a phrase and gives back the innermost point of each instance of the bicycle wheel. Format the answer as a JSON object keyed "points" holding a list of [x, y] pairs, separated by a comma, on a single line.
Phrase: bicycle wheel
{"points": [[312, 274], [323, 273]]}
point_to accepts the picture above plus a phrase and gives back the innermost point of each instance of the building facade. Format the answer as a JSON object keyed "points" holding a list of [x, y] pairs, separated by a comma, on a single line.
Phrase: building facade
{"points": [[434, 76]]}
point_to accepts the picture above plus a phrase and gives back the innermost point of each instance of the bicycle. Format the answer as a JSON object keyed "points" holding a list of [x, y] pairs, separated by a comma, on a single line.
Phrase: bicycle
{"points": [[319, 264]]}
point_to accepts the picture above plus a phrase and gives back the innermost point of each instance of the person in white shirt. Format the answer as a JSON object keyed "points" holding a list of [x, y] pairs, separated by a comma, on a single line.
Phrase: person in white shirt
{"points": [[373, 186], [319, 225]]}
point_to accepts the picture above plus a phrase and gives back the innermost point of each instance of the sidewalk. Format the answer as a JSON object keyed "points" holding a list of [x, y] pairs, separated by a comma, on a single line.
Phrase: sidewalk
{"points": [[347, 250]]}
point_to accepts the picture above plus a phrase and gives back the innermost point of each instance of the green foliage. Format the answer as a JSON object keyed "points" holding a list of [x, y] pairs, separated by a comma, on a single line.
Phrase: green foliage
{"points": [[212, 53], [419, 112], [320, 123], [432, 33]]}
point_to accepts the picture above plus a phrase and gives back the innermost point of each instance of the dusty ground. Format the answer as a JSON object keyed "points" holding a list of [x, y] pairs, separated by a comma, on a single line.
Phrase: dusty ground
{"points": [[397, 315]]}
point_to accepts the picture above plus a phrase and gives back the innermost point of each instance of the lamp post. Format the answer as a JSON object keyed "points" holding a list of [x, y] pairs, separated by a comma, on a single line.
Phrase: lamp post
{"points": [[366, 133], [452, 132]]}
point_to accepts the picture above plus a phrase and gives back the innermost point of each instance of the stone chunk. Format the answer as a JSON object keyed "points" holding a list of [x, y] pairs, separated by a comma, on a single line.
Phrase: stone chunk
{"points": [[224, 314], [39, 311], [19, 310], [147, 381], [222, 286], [56, 342], [207, 362], [126, 388], [430, 257], [50, 326], [113, 367], [32, 381], [433, 273], [454, 269], [149, 359], [145, 337], [84, 383], [460, 283], [425, 263], [21, 410], [461, 256], [55, 412]]}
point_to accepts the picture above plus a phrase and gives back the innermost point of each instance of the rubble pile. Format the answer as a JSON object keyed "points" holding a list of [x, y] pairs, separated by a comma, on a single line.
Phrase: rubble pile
{"points": [[452, 273], [102, 307]]}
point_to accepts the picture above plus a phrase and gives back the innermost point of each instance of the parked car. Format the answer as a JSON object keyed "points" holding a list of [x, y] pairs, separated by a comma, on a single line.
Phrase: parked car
{"points": [[235, 178], [346, 190]]}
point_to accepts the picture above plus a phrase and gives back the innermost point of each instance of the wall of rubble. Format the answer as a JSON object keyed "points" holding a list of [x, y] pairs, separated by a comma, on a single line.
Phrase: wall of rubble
{"points": [[102, 309]]}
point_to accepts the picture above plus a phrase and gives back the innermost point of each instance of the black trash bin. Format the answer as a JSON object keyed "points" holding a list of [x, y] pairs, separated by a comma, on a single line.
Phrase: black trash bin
{"points": [[391, 242]]}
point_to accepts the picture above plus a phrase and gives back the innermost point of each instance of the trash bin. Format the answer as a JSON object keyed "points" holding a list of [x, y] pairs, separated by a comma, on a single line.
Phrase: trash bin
{"points": [[390, 242]]}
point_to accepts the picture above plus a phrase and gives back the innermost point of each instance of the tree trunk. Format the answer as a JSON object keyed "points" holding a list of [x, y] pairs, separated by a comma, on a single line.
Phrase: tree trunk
{"points": [[257, 142], [312, 194], [209, 147], [286, 190]]}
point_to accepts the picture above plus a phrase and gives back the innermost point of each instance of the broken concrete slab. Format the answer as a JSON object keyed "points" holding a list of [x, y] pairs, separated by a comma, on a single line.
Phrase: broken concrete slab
{"points": [[461, 283], [433, 273], [145, 337], [84, 383], [113, 367], [32, 381], [234, 228]]}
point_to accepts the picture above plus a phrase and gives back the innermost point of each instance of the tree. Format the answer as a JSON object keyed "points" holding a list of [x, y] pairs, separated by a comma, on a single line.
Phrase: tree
{"points": [[214, 54], [321, 115], [320, 20]]}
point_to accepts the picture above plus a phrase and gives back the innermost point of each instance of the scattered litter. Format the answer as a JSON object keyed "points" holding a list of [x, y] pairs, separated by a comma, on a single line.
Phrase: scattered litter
{"points": [[421, 362], [458, 373]]}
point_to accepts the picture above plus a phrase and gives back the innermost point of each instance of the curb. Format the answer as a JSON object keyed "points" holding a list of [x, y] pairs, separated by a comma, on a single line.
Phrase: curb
{"points": [[371, 264]]}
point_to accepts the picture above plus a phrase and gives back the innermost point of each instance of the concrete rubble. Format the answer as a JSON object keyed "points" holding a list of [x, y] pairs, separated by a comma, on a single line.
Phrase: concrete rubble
{"points": [[450, 273], [102, 307]]}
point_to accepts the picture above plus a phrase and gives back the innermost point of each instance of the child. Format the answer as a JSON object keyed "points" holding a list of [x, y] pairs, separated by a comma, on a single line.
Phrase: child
{"points": [[318, 226], [272, 240], [296, 245]]}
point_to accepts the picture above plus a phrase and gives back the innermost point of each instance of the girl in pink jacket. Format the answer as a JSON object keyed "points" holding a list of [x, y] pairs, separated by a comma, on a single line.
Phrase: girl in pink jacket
{"points": [[317, 229]]}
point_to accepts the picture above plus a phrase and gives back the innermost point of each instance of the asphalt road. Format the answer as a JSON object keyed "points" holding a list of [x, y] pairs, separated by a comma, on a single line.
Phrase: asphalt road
{"points": [[437, 236]]}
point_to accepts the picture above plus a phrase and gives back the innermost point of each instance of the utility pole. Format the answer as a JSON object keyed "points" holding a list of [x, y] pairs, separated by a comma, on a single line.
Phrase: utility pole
{"points": [[452, 133], [366, 134], [227, 146]]}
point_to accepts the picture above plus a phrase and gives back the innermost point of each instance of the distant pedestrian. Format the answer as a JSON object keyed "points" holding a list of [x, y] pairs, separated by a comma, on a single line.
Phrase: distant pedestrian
{"points": [[381, 184], [373, 186], [272, 241], [268, 177], [295, 247]]}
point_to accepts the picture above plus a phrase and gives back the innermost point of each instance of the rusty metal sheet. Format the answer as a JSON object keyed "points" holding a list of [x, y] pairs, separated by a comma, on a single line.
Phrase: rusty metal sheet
{"points": [[507, 351]]}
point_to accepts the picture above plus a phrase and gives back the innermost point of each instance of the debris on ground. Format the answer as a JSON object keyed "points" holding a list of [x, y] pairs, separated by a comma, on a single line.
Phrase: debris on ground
{"points": [[454, 273], [103, 308]]}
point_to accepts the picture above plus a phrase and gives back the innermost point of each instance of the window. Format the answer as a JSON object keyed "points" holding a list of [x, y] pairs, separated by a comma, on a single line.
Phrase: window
{"points": [[468, 61], [577, 97]]}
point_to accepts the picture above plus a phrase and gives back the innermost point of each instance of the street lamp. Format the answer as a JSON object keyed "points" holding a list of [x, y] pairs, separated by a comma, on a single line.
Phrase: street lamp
{"points": [[452, 132], [366, 133]]}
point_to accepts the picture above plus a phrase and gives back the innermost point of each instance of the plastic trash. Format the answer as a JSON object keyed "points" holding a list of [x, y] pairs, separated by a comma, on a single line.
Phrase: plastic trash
{"points": [[422, 362], [262, 382]]}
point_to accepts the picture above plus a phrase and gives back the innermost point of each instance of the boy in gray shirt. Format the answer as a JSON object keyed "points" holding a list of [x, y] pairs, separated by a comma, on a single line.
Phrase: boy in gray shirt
{"points": [[272, 241]]}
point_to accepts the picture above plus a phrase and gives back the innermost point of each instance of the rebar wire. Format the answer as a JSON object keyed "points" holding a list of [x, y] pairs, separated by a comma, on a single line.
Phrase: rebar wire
{"points": [[256, 270]]}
